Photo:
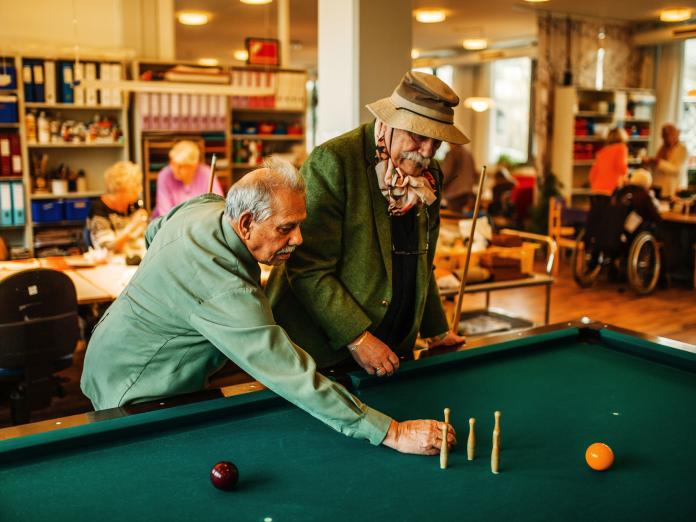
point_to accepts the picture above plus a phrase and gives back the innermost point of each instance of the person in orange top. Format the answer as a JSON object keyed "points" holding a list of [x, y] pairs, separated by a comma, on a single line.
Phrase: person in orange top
{"points": [[611, 163]]}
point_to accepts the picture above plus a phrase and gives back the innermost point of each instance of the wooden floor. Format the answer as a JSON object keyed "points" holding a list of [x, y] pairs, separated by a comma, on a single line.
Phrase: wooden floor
{"points": [[668, 312]]}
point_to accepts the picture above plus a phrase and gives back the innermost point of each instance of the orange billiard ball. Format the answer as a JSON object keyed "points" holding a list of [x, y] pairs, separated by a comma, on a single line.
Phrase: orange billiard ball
{"points": [[599, 456]]}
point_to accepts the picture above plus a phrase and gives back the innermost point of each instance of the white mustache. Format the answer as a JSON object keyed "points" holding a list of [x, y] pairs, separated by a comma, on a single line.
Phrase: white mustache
{"points": [[286, 250], [417, 158]]}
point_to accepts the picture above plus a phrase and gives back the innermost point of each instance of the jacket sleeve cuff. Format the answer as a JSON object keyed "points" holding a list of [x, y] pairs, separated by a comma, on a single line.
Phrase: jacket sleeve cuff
{"points": [[374, 425]]}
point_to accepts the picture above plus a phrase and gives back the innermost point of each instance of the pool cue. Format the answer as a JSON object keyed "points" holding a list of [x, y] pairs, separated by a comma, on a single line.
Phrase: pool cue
{"points": [[462, 286], [212, 172]]}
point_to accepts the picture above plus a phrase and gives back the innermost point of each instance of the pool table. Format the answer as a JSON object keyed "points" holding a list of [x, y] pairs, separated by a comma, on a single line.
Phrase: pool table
{"points": [[559, 388]]}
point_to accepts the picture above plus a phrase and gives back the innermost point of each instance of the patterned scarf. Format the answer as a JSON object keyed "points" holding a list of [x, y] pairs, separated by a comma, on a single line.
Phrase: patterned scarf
{"points": [[402, 191]]}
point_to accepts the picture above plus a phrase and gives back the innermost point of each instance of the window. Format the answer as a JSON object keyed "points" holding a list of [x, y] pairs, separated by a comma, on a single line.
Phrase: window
{"points": [[511, 82], [688, 107]]}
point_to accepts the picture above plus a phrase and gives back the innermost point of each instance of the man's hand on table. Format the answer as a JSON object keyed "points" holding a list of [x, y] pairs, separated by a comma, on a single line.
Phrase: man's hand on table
{"points": [[448, 339], [421, 437], [375, 357]]}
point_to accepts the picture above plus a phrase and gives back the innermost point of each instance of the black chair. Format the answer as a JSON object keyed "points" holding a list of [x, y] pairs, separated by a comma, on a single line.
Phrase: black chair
{"points": [[39, 331]]}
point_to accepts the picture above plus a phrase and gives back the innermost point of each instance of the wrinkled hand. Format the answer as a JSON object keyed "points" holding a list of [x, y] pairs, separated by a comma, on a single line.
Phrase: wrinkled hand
{"points": [[449, 339], [137, 224], [375, 357], [420, 437]]}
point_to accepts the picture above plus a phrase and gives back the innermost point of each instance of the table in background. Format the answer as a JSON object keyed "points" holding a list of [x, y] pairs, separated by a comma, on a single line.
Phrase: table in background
{"points": [[560, 388], [678, 235]]}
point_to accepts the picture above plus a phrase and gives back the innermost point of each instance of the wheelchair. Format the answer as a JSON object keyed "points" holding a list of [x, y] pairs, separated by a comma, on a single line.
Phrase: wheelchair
{"points": [[616, 239]]}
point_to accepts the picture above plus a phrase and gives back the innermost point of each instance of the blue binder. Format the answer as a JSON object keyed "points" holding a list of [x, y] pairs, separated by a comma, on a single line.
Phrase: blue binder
{"points": [[27, 80], [5, 203], [17, 202], [8, 74], [37, 68], [65, 82]]}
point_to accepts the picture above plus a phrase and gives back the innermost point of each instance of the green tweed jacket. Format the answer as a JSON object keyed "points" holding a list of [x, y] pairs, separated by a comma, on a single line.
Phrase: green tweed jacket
{"points": [[338, 283]]}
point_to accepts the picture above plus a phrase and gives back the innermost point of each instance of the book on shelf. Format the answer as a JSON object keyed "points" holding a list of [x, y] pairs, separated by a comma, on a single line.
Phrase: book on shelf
{"points": [[27, 81], [91, 93], [50, 78], [78, 90], [38, 83], [65, 82], [186, 73]]}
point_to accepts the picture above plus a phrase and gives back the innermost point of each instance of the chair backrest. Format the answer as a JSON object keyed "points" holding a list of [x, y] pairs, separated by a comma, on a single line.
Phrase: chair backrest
{"points": [[38, 318]]}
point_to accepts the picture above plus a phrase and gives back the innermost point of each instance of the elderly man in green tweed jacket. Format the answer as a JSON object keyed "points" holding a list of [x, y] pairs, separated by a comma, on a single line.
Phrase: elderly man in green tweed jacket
{"points": [[362, 285]]}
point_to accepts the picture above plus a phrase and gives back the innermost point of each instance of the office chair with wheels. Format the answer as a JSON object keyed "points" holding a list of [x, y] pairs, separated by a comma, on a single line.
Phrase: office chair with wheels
{"points": [[38, 335]]}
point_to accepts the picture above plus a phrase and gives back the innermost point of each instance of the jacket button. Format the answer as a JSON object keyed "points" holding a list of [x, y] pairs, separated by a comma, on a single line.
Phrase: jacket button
{"points": [[385, 302]]}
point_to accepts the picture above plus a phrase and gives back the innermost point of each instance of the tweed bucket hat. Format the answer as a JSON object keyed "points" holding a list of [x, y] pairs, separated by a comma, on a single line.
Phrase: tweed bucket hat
{"points": [[422, 104]]}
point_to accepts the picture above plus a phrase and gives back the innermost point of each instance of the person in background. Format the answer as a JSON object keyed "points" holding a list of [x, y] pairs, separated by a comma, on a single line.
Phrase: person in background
{"points": [[459, 171], [669, 165], [196, 300], [611, 164], [115, 222], [363, 278], [184, 178], [635, 192]]}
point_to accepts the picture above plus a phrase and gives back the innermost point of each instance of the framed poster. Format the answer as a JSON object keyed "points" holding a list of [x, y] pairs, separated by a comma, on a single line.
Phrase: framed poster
{"points": [[263, 51]]}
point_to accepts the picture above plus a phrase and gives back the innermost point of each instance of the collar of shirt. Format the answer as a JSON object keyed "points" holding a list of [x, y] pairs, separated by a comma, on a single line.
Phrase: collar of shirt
{"points": [[247, 262]]}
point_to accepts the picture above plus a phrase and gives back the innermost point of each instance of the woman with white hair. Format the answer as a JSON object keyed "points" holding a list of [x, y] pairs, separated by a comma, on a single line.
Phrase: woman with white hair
{"points": [[185, 177], [635, 193], [115, 222]]}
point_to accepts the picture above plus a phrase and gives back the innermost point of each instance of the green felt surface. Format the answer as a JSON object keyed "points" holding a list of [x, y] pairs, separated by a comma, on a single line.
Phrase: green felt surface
{"points": [[556, 400]]}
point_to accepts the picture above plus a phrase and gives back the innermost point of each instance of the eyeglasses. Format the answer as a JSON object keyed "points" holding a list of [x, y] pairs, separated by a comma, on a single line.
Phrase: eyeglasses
{"points": [[419, 252]]}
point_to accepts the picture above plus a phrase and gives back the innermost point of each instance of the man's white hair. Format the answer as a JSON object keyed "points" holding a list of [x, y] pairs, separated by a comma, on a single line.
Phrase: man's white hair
{"points": [[122, 176], [256, 196]]}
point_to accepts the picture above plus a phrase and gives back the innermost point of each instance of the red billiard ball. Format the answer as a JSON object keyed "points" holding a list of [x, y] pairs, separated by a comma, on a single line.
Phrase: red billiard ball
{"points": [[224, 475], [599, 456]]}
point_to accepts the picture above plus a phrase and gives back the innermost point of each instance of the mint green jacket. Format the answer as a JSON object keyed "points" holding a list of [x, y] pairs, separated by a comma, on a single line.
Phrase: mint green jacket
{"points": [[194, 302], [338, 283]]}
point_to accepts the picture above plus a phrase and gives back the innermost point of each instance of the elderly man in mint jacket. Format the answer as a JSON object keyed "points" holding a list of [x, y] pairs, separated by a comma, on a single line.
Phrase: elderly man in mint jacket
{"points": [[362, 284], [196, 301]]}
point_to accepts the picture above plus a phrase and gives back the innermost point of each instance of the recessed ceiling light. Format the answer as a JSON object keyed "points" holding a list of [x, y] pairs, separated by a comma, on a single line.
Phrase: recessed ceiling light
{"points": [[475, 44], [536, 1], [415, 53], [193, 17], [675, 15], [241, 55], [478, 104], [430, 15], [256, 2], [210, 62]]}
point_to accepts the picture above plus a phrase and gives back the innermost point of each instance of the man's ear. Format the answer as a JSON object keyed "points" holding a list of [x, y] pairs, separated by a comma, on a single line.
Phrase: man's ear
{"points": [[245, 221]]}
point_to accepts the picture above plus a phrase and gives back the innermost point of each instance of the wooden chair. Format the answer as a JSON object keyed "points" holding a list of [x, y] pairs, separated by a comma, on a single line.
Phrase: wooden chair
{"points": [[562, 235]]}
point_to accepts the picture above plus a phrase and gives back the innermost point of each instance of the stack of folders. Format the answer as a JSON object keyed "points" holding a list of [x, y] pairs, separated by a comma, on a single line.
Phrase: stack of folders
{"points": [[11, 203], [46, 81], [182, 112], [10, 155]]}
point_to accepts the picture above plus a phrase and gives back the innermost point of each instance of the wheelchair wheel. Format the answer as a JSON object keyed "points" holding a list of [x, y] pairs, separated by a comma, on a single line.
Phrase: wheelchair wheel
{"points": [[585, 271], [644, 263]]}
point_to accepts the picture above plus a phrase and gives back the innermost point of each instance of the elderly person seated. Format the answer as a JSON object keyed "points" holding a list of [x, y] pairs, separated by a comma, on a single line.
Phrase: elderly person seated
{"points": [[115, 222], [197, 300], [364, 275], [636, 194], [184, 178]]}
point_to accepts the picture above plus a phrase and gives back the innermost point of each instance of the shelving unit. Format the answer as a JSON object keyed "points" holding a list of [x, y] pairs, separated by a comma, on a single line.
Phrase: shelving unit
{"points": [[43, 86], [582, 118]]}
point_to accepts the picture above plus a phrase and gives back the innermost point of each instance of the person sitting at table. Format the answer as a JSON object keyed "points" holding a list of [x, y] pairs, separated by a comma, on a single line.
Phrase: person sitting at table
{"points": [[115, 222], [185, 177], [669, 165], [364, 276], [197, 300]]}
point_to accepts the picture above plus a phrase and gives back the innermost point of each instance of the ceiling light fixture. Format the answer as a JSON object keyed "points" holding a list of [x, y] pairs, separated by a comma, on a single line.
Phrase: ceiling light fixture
{"points": [[475, 44], [478, 104], [241, 55], [678, 14], [193, 17], [536, 1], [430, 15], [208, 62], [256, 2]]}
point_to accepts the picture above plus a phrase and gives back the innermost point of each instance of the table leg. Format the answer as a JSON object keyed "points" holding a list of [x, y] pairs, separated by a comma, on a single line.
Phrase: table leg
{"points": [[548, 304], [488, 300]]}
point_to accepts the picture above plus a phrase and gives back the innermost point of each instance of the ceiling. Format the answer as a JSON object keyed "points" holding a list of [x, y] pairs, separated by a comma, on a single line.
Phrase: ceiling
{"points": [[502, 22]]}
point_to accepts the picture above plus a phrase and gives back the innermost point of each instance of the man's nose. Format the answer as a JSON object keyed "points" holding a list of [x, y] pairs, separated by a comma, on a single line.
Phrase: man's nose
{"points": [[427, 148], [296, 237]]}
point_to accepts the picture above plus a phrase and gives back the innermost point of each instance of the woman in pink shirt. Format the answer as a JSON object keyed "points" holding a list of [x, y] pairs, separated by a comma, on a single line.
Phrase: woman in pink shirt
{"points": [[183, 179], [611, 163]]}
